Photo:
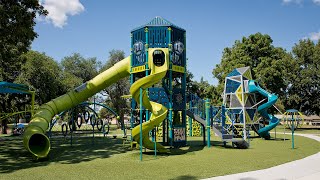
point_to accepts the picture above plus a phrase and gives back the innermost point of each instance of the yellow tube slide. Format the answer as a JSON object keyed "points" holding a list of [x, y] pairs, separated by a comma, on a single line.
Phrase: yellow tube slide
{"points": [[35, 140], [159, 112]]}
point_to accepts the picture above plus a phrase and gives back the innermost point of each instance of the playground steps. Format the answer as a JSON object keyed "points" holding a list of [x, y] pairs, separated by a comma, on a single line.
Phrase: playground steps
{"points": [[225, 137]]}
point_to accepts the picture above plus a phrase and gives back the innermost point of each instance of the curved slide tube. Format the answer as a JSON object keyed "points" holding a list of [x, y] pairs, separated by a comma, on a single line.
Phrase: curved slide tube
{"points": [[35, 140], [159, 112], [262, 109]]}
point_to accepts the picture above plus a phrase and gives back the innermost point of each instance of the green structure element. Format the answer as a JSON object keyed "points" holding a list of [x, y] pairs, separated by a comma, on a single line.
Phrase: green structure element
{"points": [[293, 119], [157, 54], [157, 70], [12, 88], [159, 67], [193, 130], [35, 139], [84, 113], [161, 34]]}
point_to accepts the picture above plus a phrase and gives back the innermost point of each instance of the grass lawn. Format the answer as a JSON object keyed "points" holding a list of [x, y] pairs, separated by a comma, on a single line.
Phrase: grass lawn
{"points": [[107, 158]]}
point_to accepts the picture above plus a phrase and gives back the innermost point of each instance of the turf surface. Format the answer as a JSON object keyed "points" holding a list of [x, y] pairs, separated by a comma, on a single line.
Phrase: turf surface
{"points": [[107, 158]]}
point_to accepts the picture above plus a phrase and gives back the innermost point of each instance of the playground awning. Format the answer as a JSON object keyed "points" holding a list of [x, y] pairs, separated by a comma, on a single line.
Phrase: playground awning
{"points": [[12, 88]]}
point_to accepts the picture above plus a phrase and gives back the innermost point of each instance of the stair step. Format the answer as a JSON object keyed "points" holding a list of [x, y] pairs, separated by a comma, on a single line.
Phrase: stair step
{"points": [[227, 136]]}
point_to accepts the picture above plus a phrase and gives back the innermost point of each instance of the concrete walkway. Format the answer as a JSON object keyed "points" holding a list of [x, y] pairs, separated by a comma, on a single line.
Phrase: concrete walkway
{"points": [[304, 169]]}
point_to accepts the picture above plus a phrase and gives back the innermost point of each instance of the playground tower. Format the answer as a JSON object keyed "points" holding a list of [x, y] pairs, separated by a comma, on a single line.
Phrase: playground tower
{"points": [[145, 42], [240, 104]]}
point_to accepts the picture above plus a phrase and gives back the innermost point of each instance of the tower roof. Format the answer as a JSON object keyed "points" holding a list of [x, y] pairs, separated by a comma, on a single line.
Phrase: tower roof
{"points": [[159, 21]]}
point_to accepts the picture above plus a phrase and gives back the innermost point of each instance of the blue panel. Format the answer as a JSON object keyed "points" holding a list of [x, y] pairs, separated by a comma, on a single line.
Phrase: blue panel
{"points": [[198, 106], [178, 99], [232, 86], [159, 95], [251, 113], [138, 36], [159, 21], [158, 37], [234, 73], [177, 36]]}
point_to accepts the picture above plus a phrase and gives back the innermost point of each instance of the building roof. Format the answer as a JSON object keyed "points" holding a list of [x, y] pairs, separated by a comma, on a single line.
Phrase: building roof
{"points": [[159, 21]]}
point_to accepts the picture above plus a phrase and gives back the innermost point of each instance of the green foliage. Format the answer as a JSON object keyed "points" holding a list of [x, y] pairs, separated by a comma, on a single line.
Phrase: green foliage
{"points": [[17, 19], [191, 85], [270, 65], [43, 74], [117, 89], [304, 91], [80, 67], [208, 91]]}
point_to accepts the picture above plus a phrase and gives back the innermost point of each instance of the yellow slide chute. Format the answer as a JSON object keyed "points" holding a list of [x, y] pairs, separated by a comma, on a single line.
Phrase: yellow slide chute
{"points": [[158, 111], [35, 140]]}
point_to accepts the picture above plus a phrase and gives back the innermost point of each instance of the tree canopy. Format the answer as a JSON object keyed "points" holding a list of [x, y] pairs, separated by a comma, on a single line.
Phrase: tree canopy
{"points": [[268, 63], [304, 89], [43, 74], [17, 19], [83, 68], [119, 88]]}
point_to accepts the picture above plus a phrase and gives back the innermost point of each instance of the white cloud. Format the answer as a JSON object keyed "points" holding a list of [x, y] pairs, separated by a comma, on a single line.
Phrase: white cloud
{"points": [[316, 2], [314, 36], [292, 1], [59, 10]]}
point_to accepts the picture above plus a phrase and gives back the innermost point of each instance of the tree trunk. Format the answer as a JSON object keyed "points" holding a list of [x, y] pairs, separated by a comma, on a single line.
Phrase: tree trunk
{"points": [[4, 126]]}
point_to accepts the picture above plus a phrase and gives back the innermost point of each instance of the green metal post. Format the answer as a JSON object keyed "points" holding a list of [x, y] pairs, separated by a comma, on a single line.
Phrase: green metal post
{"points": [[131, 82], [170, 90], [32, 102], [190, 120], [155, 142], [292, 130], [208, 121], [141, 115], [146, 64]]}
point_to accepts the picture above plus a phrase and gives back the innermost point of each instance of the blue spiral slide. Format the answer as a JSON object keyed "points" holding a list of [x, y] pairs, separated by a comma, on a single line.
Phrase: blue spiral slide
{"points": [[262, 109]]}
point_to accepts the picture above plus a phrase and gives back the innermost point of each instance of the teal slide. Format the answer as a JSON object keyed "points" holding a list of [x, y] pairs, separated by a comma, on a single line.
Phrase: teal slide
{"points": [[262, 109]]}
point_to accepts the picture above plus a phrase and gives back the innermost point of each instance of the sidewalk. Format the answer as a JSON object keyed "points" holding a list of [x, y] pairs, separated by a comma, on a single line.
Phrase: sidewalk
{"points": [[304, 169]]}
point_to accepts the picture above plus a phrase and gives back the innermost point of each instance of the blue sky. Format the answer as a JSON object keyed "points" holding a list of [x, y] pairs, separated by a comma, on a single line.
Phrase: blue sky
{"points": [[93, 28]]}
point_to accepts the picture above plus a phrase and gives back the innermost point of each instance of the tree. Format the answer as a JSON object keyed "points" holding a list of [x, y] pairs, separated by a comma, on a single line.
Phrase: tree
{"points": [[116, 90], [269, 64], [43, 74], [304, 91], [191, 85], [17, 19], [80, 67]]}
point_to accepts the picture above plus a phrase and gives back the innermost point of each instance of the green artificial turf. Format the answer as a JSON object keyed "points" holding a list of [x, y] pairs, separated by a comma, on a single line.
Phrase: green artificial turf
{"points": [[107, 158]]}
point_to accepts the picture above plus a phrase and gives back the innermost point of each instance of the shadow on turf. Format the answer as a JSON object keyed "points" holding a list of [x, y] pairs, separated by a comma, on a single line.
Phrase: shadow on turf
{"points": [[193, 146], [13, 155], [189, 177]]}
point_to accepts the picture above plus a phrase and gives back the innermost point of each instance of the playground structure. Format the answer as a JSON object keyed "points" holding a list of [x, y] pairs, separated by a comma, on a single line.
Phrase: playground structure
{"points": [[17, 115], [292, 119], [82, 121], [157, 70], [239, 113]]}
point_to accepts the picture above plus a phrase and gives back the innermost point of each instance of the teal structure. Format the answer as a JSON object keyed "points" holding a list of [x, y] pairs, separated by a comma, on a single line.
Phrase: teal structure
{"points": [[160, 33], [240, 109]]}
